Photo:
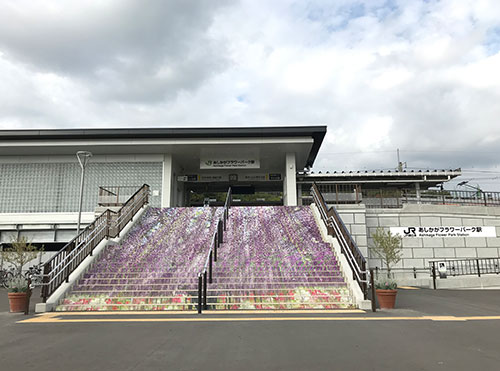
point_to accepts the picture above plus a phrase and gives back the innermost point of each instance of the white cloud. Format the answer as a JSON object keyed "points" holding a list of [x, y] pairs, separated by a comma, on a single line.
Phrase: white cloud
{"points": [[419, 75]]}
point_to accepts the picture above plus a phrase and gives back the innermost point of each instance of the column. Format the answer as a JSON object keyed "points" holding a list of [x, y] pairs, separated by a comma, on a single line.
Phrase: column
{"points": [[417, 191], [166, 181], [290, 180]]}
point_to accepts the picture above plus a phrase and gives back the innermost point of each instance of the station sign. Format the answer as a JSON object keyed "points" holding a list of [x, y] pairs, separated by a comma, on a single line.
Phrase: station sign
{"points": [[444, 231], [210, 178], [229, 163]]}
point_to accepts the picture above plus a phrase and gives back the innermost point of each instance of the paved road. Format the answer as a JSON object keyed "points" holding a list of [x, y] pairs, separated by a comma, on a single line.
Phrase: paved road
{"points": [[382, 344]]}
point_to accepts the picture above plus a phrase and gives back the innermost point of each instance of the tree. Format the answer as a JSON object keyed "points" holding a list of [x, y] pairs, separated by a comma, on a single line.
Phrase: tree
{"points": [[20, 253], [388, 247]]}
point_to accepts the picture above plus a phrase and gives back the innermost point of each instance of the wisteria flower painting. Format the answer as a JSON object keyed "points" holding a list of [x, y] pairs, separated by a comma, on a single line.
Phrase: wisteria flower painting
{"points": [[271, 258]]}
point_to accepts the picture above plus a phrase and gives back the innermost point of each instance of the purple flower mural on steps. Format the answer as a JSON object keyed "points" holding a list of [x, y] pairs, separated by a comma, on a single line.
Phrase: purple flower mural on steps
{"points": [[272, 257]]}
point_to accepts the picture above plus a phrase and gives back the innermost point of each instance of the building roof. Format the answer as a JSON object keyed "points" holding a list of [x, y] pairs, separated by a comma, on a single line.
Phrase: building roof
{"points": [[317, 133]]}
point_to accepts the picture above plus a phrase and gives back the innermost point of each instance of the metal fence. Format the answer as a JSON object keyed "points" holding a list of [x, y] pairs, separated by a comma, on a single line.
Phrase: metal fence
{"points": [[463, 267], [386, 198]]}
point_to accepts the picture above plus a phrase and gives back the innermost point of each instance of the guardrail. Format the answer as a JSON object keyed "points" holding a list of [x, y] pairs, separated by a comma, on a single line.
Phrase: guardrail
{"points": [[56, 270], [336, 228], [410, 270], [115, 195], [205, 276], [463, 267]]}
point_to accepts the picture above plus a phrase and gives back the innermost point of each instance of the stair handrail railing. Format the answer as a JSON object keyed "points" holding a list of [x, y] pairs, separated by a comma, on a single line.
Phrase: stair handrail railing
{"points": [[58, 268], [205, 276], [336, 228]]}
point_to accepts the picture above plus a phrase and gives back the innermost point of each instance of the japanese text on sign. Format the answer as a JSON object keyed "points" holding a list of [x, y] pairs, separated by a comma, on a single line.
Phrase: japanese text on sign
{"points": [[462, 231]]}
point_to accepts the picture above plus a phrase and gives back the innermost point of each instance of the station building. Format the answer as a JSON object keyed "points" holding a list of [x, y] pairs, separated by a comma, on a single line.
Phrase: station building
{"points": [[40, 182]]}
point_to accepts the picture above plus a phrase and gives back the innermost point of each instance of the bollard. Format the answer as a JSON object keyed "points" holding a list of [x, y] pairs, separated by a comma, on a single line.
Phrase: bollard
{"points": [[372, 284], [210, 268], [434, 274], [205, 290], [28, 296], [200, 284]]}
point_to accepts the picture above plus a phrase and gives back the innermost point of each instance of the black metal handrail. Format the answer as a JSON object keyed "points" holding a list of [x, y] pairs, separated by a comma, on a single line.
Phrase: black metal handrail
{"points": [[336, 228], [463, 267], [57, 269], [205, 276], [112, 195]]}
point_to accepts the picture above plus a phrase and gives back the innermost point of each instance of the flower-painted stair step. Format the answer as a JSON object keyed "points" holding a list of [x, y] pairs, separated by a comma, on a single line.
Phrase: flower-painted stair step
{"points": [[213, 286], [281, 296], [334, 290], [134, 281], [217, 273], [215, 306]]}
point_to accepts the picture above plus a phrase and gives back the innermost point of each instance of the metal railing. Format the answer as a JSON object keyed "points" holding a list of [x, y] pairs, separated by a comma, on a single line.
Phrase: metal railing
{"points": [[344, 193], [205, 276], [57, 270], [115, 195], [409, 270], [396, 198], [463, 267], [338, 194], [336, 228]]}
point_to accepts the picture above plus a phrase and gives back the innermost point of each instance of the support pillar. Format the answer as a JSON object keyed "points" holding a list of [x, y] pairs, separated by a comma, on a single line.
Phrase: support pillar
{"points": [[166, 181], [290, 181], [417, 191]]}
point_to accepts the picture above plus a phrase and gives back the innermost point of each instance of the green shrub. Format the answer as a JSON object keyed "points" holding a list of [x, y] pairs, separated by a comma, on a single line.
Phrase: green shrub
{"points": [[18, 284], [388, 247]]}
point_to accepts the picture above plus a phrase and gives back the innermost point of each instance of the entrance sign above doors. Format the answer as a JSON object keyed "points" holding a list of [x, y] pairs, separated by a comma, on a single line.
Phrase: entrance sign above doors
{"points": [[252, 177], [229, 163]]}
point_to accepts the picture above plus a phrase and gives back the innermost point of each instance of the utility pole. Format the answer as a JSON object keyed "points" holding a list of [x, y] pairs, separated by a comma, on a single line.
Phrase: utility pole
{"points": [[83, 158]]}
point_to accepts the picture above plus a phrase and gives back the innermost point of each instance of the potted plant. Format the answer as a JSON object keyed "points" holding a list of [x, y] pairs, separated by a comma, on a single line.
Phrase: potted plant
{"points": [[18, 255], [18, 294], [388, 248]]}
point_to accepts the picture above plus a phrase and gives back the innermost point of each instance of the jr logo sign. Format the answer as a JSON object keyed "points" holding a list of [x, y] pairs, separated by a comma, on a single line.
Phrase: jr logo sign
{"points": [[440, 231], [410, 232]]}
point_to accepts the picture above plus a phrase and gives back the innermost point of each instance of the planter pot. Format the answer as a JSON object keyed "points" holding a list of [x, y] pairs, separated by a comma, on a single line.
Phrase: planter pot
{"points": [[18, 301], [386, 298]]}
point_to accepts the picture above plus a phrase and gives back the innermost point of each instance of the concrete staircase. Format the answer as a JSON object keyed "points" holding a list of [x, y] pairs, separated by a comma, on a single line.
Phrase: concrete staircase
{"points": [[152, 268], [271, 258], [274, 258]]}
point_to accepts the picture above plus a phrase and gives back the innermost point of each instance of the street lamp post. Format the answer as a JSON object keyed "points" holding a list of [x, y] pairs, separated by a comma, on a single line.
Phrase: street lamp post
{"points": [[83, 158]]}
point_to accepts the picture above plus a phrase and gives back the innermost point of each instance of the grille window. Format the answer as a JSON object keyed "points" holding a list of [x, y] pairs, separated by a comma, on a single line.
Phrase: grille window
{"points": [[55, 187]]}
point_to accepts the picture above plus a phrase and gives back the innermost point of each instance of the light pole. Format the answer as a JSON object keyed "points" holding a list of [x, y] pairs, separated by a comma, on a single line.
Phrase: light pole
{"points": [[83, 158]]}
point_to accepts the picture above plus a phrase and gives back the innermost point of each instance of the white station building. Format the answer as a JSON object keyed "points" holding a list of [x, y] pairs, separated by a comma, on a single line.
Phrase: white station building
{"points": [[40, 184]]}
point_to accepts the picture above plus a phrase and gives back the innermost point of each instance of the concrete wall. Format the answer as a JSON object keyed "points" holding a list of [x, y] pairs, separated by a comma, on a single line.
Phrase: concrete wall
{"points": [[418, 251], [354, 217]]}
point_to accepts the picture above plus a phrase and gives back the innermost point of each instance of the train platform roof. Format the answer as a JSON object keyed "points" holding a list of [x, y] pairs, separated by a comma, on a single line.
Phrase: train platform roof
{"points": [[386, 178]]}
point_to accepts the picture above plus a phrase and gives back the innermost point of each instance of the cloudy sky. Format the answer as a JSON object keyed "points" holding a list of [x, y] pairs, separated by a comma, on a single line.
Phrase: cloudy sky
{"points": [[422, 76]]}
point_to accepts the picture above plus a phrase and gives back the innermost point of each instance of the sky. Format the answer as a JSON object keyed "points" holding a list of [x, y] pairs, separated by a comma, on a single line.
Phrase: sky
{"points": [[421, 76]]}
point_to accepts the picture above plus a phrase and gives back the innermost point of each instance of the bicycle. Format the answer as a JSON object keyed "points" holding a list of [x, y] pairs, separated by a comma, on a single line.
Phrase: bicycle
{"points": [[35, 274], [5, 276]]}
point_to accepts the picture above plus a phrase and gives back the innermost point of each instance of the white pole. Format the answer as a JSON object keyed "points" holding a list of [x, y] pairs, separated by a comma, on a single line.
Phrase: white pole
{"points": [[83, 157]]}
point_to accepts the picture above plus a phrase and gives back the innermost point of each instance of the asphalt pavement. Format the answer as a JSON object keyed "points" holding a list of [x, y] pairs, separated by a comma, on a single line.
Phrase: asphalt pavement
{"points": [[429, 330]]}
